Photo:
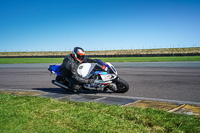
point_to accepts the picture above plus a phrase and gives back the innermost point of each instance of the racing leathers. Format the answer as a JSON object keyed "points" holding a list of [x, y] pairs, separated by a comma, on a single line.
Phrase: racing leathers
{"points": [[69, 71]]}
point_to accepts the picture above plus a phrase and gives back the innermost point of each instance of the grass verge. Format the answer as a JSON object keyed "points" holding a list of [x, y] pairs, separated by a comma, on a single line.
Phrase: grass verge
{"points": [[36, 114], [111, 59], [152, 59], [191, 50]]}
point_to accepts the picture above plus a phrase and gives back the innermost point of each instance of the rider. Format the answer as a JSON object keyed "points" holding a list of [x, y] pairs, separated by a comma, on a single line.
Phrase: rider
{"points": [[70, 65]]}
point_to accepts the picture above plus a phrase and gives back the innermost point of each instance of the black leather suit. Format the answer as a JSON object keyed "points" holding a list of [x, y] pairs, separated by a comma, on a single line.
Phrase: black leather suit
{"points": [[69, 71]]}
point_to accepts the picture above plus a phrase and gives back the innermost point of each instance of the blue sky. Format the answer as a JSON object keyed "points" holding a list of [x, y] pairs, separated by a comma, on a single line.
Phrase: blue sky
{"points": [[60, 25]]}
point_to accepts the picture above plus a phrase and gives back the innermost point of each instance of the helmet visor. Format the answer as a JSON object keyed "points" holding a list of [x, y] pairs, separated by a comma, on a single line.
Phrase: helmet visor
{"points": [[81, 57]]}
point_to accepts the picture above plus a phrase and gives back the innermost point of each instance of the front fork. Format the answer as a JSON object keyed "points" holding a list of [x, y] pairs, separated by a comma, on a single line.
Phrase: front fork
{"points": [[113, 86]]}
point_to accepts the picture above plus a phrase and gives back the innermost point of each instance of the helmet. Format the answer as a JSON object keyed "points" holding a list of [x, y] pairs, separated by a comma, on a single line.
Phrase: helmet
{"points": [[79, 54]]}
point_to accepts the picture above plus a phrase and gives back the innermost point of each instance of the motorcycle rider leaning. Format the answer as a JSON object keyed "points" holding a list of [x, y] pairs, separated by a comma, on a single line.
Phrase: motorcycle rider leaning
{"points": [[69, 68]]}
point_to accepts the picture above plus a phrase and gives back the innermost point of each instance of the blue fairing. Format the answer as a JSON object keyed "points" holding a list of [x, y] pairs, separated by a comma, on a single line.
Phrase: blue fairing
{"points": [[55, 69], [100, 72]]}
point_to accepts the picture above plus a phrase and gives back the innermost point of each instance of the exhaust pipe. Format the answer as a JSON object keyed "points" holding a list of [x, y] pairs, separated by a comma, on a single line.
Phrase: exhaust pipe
{"points": [[59, 84]]}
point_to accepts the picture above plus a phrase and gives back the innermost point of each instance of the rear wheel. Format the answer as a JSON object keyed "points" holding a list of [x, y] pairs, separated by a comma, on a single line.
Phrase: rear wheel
{"points": [[122, 86]]}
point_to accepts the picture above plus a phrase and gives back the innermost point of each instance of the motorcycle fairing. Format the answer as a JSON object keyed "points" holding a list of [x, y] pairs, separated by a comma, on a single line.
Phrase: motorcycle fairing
{"points": [[55, 69], [105, 76], [100, 72], [98, 86], [85, 69]]}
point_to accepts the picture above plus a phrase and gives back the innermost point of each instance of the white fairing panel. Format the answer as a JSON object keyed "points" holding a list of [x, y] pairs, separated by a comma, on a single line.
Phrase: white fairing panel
{"points": [[84, 69], [112, 67], [106, 77]]}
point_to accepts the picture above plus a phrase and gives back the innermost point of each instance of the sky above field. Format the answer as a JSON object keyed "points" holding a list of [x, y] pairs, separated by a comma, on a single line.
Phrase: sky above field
{"points": [[60, 25]]}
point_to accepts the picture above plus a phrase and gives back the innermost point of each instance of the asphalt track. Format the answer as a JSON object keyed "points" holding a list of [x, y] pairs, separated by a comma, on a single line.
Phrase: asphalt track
{"points": [[179, 81]]}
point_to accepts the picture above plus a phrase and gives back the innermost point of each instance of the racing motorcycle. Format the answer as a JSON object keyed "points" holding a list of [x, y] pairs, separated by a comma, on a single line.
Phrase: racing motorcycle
{"points": [[104, 80]]}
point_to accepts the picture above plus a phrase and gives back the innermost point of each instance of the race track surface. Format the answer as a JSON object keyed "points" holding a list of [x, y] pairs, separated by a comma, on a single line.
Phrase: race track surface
{"points": [[164, 80]]}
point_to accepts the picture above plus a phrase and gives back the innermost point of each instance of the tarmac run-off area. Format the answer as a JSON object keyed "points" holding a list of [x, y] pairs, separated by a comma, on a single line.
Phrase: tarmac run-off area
{"points": [[170, 86]]}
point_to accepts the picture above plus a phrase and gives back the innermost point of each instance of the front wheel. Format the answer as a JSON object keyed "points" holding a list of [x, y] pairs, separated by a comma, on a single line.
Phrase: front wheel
{"points": [[122, 86]]}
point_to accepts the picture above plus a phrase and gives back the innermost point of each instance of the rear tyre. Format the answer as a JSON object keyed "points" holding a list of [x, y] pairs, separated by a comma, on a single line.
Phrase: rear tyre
{"points": [[122, 86]]}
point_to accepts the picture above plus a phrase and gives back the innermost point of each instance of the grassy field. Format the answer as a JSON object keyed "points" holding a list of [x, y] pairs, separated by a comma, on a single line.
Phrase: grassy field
{"points": [[107, 59], [29, 60], [152, 59], [109, 52], [20, 114]]}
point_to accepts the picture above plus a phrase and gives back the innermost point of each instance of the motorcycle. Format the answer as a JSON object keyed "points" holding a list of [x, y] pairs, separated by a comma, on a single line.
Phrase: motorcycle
{"points": [[104, 80]]}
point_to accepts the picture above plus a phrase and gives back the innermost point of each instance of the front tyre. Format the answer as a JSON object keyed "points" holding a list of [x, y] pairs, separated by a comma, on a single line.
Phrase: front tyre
{"points": [[122, 86]]}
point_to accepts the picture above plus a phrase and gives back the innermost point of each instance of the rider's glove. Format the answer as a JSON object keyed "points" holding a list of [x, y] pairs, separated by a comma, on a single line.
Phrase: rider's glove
{"points": [[105, 68], [91, 81]]}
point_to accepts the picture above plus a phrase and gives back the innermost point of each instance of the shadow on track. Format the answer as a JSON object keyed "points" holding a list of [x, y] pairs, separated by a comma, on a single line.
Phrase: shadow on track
{"points": [[55, 90], [70, 92]]}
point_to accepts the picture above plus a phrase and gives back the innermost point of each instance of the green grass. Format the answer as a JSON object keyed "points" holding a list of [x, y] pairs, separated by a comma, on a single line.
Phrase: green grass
{"points": [[152, 59], [29, 60], [111, 59], [190, 50], [36, 114]]}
